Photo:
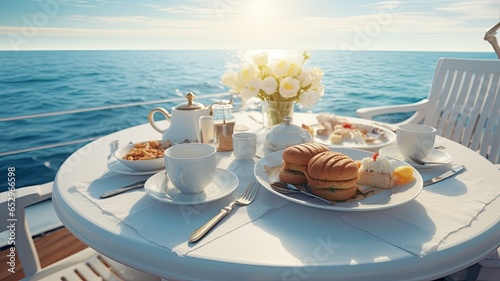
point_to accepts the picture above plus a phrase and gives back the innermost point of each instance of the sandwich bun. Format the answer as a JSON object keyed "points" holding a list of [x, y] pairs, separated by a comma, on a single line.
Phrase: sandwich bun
{"points": [[296, 158], [293, 177], [334, 168], [334, 194]]}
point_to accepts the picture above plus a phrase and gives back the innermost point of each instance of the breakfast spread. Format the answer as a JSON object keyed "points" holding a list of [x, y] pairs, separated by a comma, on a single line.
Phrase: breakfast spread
{"points": [[147, 150], [338, 130], [337, 177]]}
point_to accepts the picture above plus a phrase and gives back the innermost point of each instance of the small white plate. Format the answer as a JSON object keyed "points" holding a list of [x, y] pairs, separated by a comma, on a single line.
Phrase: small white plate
{"points": [[387, 138], [435, 156], [160, 188], [154, 164], [117, 167]]}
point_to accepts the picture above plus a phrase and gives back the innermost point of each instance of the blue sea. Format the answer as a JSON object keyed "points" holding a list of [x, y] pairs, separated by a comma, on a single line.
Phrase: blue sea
{"points": [[33, 82]]}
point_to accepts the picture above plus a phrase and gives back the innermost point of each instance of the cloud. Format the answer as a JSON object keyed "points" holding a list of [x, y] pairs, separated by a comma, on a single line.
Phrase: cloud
{"points": [[473, 9], [117, 21], [182, 9], [385, 23]]}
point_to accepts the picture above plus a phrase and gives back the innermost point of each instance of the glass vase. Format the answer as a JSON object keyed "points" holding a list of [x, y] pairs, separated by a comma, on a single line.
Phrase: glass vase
{"points": [[274, 112]]}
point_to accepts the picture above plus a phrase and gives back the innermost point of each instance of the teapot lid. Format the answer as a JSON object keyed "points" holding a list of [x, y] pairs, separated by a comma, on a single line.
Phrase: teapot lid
{"points": [[287, 127], [191, 105]]}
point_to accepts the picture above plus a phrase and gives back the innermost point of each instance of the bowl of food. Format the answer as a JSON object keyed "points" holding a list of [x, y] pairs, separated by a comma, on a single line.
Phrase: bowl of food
{"points": [[143, 156]]}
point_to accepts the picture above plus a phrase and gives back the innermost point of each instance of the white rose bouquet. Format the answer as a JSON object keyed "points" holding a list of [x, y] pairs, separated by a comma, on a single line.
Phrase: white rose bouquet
{"points": [[277, 80]]}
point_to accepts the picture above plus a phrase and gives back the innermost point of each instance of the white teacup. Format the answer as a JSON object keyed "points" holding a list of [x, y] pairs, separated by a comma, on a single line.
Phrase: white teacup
{"points": [[244, 145], [415, 140], [190, 166]]}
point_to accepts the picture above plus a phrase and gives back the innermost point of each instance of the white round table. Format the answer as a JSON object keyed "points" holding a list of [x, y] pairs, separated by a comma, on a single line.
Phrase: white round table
{"points": [[293, 242]]}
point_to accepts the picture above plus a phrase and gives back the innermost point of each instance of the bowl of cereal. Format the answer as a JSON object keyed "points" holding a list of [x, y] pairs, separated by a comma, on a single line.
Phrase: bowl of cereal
{"points": [[143, 156]]}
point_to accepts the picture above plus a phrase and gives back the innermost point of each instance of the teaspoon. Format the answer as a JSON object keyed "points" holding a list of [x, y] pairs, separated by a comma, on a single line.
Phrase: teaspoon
{"points": [[422, 162]]}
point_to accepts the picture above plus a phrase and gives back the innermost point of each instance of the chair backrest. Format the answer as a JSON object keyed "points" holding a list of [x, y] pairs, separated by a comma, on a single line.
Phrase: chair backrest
{"points": [[464, 104], [14, 203]]}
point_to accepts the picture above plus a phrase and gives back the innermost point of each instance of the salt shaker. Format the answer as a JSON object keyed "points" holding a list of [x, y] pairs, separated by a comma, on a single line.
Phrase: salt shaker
{"points": [[224, 126]]}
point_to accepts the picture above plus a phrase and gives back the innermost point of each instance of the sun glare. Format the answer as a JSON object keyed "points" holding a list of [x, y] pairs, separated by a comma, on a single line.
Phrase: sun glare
{"points": [[259, 23], [261, 9]]}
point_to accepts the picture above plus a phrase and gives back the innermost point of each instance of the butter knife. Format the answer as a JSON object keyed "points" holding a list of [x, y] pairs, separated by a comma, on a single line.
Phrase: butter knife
{"points": [[445, 175], [117, 191]]}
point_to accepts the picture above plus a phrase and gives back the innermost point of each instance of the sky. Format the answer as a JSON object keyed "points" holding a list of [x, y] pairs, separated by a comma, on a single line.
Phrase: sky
{"points": [[427, 25]]}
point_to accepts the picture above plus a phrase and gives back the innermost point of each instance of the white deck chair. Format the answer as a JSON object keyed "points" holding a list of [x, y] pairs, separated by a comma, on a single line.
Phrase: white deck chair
{"points": [[463, 105], [84, 265]]}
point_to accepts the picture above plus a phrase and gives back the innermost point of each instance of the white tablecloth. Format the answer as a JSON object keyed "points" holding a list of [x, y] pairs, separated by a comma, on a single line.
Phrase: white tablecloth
{"points": [[449, 226], [412, 227], [170, 225]]}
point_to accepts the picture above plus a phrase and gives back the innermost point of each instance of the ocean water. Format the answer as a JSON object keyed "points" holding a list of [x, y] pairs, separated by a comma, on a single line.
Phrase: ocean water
{"points": [[33, 82]]}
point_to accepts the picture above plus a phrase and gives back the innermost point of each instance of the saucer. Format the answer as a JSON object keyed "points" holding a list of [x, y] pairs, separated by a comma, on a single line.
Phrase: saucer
{"points": [[117, 167], [160, 188], [435, 156]]}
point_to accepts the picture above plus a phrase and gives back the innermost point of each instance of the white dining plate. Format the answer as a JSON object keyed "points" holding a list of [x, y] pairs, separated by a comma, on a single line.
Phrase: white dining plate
{"points": [[436, 155], [387, 138], [117, 167], [267, 171], [160, 188]]}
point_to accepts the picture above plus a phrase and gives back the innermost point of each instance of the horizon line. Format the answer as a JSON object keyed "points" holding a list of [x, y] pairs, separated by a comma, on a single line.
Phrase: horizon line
{"points": [[241, 49]]}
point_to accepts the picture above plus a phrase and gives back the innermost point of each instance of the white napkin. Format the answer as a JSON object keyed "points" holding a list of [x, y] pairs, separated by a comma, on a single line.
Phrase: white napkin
{"points": [[412, 226], [170, 225]]}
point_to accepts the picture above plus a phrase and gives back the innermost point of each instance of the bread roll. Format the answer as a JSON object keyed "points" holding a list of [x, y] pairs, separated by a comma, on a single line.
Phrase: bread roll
{"points": [[297, 156], [332, 166], [332, 175], [293, 177]]}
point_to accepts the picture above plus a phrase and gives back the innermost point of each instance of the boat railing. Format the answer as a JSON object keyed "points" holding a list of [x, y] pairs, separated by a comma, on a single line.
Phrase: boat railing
{"points": [[90, 109], [43, 213]]}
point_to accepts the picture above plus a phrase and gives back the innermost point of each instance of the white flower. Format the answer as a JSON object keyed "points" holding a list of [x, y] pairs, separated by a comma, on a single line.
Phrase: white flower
{"points": [[304, 78], [316, 76], [248, 72], [277, 79], [309, 98], [295, 66], [265, 71], [260, 59], [294, 69], [321, 90], [306, 54], [269, 85], [239, 84], [229, 78], [279, 68], [252, 89], [289, 87]]}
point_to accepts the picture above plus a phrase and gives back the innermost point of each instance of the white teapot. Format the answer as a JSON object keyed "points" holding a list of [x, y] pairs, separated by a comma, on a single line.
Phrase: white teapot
{"points": [[184, 121]]}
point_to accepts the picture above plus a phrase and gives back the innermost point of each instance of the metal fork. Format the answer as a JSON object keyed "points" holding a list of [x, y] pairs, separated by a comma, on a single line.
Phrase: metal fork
{"points": [[245, 199]]}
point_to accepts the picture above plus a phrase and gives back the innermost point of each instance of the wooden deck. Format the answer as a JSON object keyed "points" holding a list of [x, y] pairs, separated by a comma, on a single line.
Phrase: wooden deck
{"points": [[51, 247]]}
